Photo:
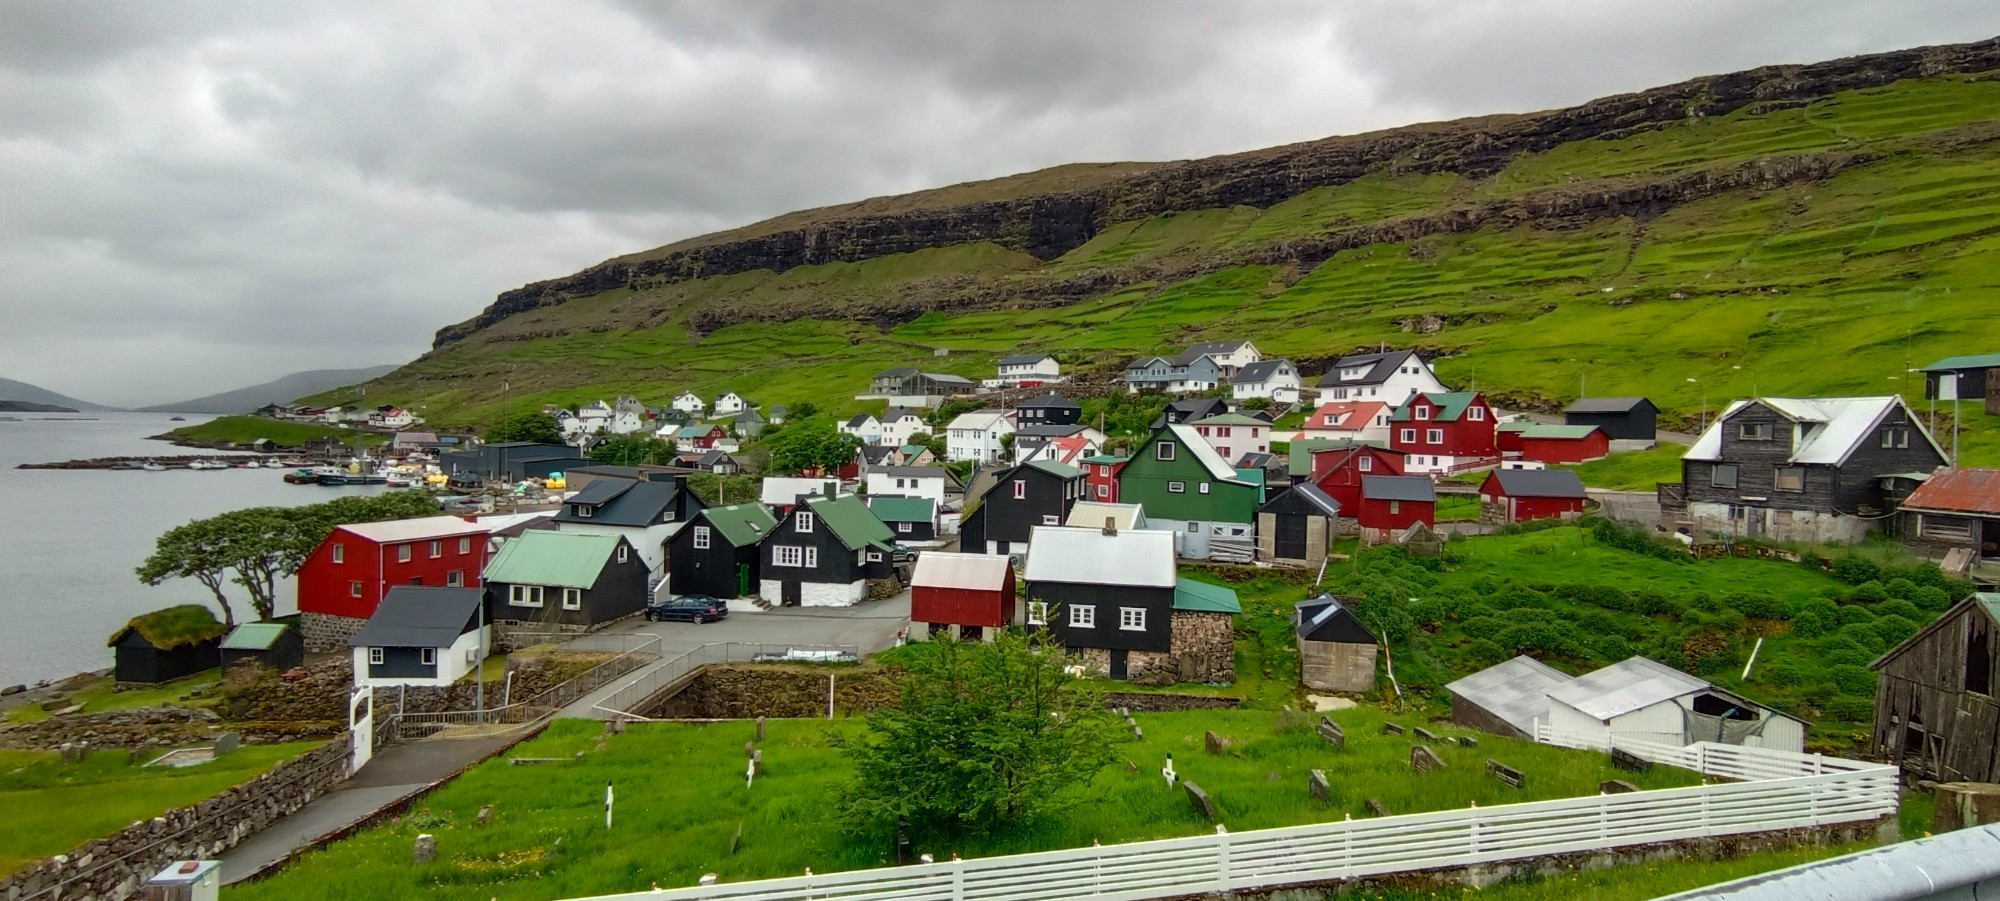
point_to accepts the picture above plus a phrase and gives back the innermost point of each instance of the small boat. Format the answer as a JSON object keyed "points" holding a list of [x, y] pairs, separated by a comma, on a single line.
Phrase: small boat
{"points": [[208, 464], [152, 466], [302, 477], [177, 419], [400, 482]]}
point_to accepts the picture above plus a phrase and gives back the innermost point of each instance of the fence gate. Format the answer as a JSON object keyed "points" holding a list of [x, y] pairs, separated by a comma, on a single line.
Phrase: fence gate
{"points": [[360, 726]]}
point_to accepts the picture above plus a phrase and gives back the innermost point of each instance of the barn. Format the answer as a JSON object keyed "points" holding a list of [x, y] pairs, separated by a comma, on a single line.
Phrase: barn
{"points": [[1336, 652], [1521, 495], [275, 645], [1296, 527], [1936, 714], [1390, 504], [165, 645], [974, 592], [1642, 700], [1622, 419], [1555, 444], [1507, 698]]}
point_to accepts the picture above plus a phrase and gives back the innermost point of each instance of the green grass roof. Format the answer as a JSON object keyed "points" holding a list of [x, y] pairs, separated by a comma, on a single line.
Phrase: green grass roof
{"points": [[550, 557], [254, 637], [1201, 597], [173, 627], [851, 521], [741, 524]]}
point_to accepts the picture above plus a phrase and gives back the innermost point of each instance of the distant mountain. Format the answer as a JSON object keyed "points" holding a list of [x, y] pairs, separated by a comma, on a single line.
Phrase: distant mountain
{"points": [[277, 391], [26, 393], [22, 406]]}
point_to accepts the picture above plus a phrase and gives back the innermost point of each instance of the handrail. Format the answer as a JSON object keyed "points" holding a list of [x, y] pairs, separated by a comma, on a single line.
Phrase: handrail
{"points": [[621, 702]]}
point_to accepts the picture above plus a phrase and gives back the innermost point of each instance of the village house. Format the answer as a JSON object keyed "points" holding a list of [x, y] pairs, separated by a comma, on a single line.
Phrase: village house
{"points": [[1067, 450], [1181, 374], [626, 422], [342, 581], [1803, 469], [566, 580], [1956, 510], [1189, 410], [1551, 444], [748, 424], [1336, 652], [863, 426], [1273, 380], [974, 592], [1631, 423], [975, 436], [644, 513], [866, 458], [1964, 378], [900, 424], [781, 493], [1028, 370], [1521, 495], [1338, 468], [165, 645], [718, 462], [1444, 433], [392, 418], [1230, 356], [1296, 526], [913, 520], [1114, 599], [1509, 698], [933, 482], [1347, 420], [729, 404], [1185, 485], [414, 441], [698, 437], [1935, 708], [421, 637], [1100, 476], [1047, 409], [1389, 377], [1643, 700], [690, 403], [827, 552], [274, 645], [1234, 434], [1097, 515], [719, 553], [1001, 520], [906, 386], [1391, 504]]}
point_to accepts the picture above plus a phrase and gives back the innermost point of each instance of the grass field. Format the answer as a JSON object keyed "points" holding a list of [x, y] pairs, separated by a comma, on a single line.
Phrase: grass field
{"points": [[1633, 470], [243, 430], [102, 695], [680, 799], [1634, 883], [52, 807]]}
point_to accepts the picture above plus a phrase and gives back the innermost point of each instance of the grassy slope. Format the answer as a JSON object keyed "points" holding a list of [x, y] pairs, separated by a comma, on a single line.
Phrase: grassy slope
{"points": [[246, 429], [680, 787], [102, 695], [52, 807], [1831, 287]]}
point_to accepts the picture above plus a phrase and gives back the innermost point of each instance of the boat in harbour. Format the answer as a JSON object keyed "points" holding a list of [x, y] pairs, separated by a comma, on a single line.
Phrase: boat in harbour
{"points": [[153, 466], [208, 464], [302, 477]]}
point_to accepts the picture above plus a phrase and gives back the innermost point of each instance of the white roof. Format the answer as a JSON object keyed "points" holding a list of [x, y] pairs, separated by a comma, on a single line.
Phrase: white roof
{"points": [[979, 420], [1516, 691], [980, 572], [1092, 514], [503, 521], [396, 530], [1217, 467], [1831, 427], [784, 491], [1631, 684], [1138, 558]]}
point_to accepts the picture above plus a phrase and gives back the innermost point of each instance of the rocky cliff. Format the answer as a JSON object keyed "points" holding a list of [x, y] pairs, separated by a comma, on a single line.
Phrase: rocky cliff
{"points": [[1049, 224]]}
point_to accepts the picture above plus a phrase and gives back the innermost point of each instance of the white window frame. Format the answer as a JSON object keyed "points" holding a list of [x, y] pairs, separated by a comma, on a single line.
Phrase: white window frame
{"points": [[1423, 412], [1365, 463], [701, 538], [904, 528], [427, 656], [465, 545], [812, 557], [802, 521], [1103, 491], [1050, 519], [1176, 487], [1020, 489], [1163, 450], [874, 556], [354, 588], [437, 548], [572, 599], [787, 555], [582, 511], [524, 595], [1038, 613], [1434, 436], [339, 552], [624, 553], [1395, 508], [1201, 488], [1409, 435], [1132, 619], [375, 656], [1476, 414], [455, 578], [403, 553], [1082, 616]]}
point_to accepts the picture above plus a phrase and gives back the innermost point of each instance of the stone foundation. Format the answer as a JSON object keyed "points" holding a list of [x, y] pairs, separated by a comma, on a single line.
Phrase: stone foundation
{"points": [[743, 692], [326, 632], [1204, 647], [884, 589]]}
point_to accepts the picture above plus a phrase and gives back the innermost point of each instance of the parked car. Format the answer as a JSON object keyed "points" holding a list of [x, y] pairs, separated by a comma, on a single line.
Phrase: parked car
{"points": [[694, 608], [901, 554]]}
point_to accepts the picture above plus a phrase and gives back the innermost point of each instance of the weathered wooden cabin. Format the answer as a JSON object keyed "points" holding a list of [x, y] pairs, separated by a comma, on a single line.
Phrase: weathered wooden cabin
{"points": [[1296, 527], [1936, 714], [1336, 652]]}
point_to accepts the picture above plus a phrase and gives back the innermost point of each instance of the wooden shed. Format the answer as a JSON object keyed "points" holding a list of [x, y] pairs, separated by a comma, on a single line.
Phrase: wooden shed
{"points": [[276, 645], [1620, 418], [974, 592], [1936, 714], [1296, 527], [165, 645], [1336, 652]]}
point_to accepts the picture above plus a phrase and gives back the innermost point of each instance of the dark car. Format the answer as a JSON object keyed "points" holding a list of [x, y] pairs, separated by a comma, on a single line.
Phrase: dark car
{"points": [[694, 608]]}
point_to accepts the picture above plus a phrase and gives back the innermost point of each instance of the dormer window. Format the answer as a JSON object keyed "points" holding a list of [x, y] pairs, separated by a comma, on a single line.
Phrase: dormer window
{"points": [[1756, 431], [1423, 412], [802, 521], [581, 511]]}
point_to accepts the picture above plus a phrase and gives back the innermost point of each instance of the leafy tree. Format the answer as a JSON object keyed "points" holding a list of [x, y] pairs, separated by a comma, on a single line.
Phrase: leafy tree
{"points": [[198, 551], [988, 734], [934, 442], [632, 450], [804, 409], [817, 448], [531, 426], [951, 409]]}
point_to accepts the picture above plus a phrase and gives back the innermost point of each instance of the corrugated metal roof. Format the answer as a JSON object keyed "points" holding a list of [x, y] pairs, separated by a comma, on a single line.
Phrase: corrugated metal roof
{"points": [[1092, 514], [1630, 684], [254, 636], [1516, 691], [398, 530], [977, 572], [1959, 490], [1935, 866], [1023, 359], [1834, 426], [1380, 367], [1201, 597], [1398, 488], [1450, 404], [1061, 470], [1217, 467], [1325, 618], [851, 522], [412, 616], [1138, 557], [741, 524], [1311, 494], [902, 509], [1049, 402], [1260, 371], [784, 491], [1974, 361], [1605, 404], [1563, 432], [1540, 483], [548, 557]]}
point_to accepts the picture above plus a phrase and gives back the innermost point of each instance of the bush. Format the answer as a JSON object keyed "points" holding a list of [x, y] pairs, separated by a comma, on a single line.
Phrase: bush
{"points": [[1854, 570], [1894, 629], [1706, 651], [1900, 588], [1852, 679], [1904, 609], [1758, 606], [1931, 600], [1865, 637], [1851, 709], [1870, 592], [1632, 538], [1854, 615], [1846, 656]]}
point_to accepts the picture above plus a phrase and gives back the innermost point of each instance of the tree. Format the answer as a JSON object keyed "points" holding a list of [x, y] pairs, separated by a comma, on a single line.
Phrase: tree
{"points": [[804, 409], [632, 450], [988, 734], [198, 551], [534, 426], [934, 442], [819, 448], [951, 409]]}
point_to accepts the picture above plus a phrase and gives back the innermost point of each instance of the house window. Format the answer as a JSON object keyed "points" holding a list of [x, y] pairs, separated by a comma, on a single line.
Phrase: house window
{"points": [[1038, 613], [1049, 519], [802, 521], [1789, 478], [354, 589], [874, 556], [1103, 491], [1395, 507], [1476, 414], [1365, 464], [623, 553], [437, 549], [1723, 475], [1132, 619], [1409, 436], [785, 555], [1176, 487], [375, 656], [1895, 437], [572, 599], [1979, 663], [582, 511], [701, 538], [812, 558], [455, 578], [524, 595], [339, 552], [1082, 616], [1226, 455], [1754, 431], [1434, 436], [903, 527], [1202, 488], [402, 553], [1163, 450], [1020, 489], [465, 545], [1194, 527], [427, 656]]}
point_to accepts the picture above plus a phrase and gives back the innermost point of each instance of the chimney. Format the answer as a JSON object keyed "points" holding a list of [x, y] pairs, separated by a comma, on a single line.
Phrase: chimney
{"points": [[831, 488], [1111, 525]]}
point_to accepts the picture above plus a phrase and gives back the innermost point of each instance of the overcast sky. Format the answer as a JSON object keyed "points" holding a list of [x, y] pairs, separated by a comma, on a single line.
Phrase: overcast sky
{"points": [[198, 196]]}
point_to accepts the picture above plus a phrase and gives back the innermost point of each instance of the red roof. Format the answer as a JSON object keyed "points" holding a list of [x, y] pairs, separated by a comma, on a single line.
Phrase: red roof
{"points": [[1963, 490], [1352, 415]]}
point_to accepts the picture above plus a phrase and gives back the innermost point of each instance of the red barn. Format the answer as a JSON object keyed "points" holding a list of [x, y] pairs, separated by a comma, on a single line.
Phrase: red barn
{"points": [[1338, 469], [1392, 503], [345, 577], [1533, 493], [970, 591], [1445, 432], [1559, 443], [1100, 477]]}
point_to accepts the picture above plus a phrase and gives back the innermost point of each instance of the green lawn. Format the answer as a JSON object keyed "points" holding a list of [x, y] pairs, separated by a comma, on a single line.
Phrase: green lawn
{"points": [[1633, 470], [101, 695], [52, 807], [1633, 883], [1457, 508], [243, 430], [680, 798]]}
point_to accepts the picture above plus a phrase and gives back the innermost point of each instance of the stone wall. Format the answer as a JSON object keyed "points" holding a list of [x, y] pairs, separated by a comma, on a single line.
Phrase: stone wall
{"points": [[325, 632], [114, 868], [743, 692], [154, 727], [1204, 647]]}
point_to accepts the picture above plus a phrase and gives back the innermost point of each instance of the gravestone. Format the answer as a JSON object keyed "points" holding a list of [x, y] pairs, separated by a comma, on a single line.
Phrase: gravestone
{"points": [[426, 849], [1466, 741], [749, 749], [757, 761], [74, 752], [1616, 787], [227, 742], [1391, 729], [1425, 734], [736, 840], [1506, 773], [1273, 776], [486, 815], [760, 728], [1424, 760], [1625, 760], [135, 756], [1125, 712], [1376, 807], [1331, 732], [1138, 733], [1316, 781], [1202, 804], [1213, 742]]}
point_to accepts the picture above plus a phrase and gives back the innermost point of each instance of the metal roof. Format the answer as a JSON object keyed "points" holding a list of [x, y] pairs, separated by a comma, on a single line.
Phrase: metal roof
{"points": [[1450, 404], [1952, 865], [1325, 618], [857, 419], [1201, 597], [902, 509], [1630, 684], [1349, 415], [254, 636], [1050, 401], [1139, 557], [1260, 371], [784, 491], [1833, 427], [1540, 483], [413, 616], [979, 420], [1190, 439], [1398, 488], [1060, 470], [1974, 361], [1958, 490], [1092, 514], [1516, 691], [741, 525], [920, 472], [977, 572], [1380, 367], [1023, 359], [1562, 432], [399, 530], [1214, 347], [851, 522], [1308, 493], [639, 504], [548, 557], [1606, 404]]}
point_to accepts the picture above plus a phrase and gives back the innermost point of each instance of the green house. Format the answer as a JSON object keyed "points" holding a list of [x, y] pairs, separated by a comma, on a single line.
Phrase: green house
{"points": [[1186, 486]]}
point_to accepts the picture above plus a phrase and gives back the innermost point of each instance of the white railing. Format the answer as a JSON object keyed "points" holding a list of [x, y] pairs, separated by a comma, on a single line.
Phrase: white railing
{"points": [[1785, 791], [630, 695]]}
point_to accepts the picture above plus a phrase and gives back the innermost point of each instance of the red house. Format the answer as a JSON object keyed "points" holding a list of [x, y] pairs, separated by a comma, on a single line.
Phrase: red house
{"points": [[1445, 432], [1553, 443], [345, 577], [1338, 469], [1393, 503], [1100, 476], [1533, 493], [971, 591]]}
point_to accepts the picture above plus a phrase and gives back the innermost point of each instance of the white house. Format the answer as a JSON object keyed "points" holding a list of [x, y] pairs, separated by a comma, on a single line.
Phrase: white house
{"points": [[1276, 380], [1027, 368], [1390, 377], [626, 422], [690, 402], [729, 404], [1234, 434], [900, 424], [1229, 356], [1647, 701], [392, 418], [910, 481], [863, 426], [976, 435], [425, 636], [1352, 420], [593, 418], [785, 491]]}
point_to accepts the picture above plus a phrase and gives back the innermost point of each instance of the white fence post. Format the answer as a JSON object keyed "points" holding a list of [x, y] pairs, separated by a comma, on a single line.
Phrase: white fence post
{"points": [[1221, 858], [958, 880]]}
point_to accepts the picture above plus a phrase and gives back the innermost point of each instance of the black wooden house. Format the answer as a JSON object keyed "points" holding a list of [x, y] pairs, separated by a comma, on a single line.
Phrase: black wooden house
{"points": [[166, 644], [825, 552], [1619, 418], [565, 578], [276, 645], [719, 553], [1106, 594], [1048, 409], [1018, 499]]}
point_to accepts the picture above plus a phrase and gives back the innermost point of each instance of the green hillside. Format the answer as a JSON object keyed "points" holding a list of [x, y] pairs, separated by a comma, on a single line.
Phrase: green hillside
{"points": [[1823, 247]]}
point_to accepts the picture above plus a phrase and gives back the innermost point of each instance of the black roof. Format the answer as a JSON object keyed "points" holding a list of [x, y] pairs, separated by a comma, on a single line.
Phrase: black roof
{"points": [[624, 504], [1540, 482], [858, 419], [897, 372], [1259, 371], [1381, 367], [1255, 460], [1305, 497], [1023, 359], [413, 616], [602, 490], [1328, 618], [1051, 401], [1608, 405], [1193, 408], [1398, 488], [876, 453], [1047, 430]]}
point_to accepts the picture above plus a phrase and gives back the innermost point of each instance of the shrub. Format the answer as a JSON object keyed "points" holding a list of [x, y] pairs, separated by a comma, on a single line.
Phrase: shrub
{"points": [[1855, 570], [1633, 538], [1865, 637], [1870, 592], [1900, 588], [1483, 652], [1854, 615], [1904, 609], [1813, 624], [1931, 599], [1846, 656], [1852, 679], [1652, 603], [1758, 605], [1892, 630], [1706, 651], [1851, 709]]}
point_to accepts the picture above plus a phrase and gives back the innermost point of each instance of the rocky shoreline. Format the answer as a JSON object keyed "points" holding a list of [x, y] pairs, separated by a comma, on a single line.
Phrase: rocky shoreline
{"points": [[176, 461]]}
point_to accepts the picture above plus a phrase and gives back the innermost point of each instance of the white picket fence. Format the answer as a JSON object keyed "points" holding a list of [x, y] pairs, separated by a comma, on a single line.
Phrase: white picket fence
{"points": [[1782, 791]]}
